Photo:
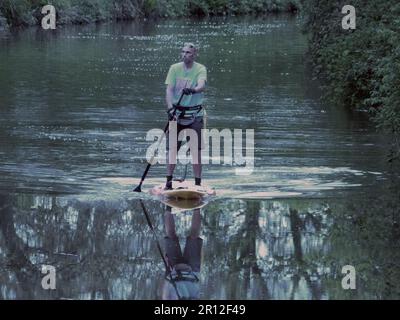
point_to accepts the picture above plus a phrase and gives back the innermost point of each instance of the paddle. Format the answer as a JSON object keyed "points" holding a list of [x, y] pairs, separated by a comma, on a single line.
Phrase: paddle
{"points": [[155, 235], [139, 187]]}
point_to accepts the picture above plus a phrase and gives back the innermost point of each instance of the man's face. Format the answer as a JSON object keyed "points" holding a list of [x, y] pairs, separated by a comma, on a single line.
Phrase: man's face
{"points": [[188, 54]]}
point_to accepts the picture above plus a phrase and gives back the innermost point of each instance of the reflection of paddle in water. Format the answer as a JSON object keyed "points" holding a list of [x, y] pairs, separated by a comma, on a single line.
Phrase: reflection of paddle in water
{"points": [[182, 270]]}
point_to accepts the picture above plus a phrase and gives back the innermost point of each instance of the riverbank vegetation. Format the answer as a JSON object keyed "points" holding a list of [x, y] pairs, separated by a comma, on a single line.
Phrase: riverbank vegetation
{"points": [[27, 12], [360, 68]]}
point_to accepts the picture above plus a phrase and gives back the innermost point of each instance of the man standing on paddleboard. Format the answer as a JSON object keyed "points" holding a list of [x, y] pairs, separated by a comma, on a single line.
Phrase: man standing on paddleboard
{"points": [[187, 78]]}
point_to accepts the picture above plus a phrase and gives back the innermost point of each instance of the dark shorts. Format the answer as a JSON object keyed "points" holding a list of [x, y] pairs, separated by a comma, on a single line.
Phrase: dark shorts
{"points": [[197, 125], [191, 253]]}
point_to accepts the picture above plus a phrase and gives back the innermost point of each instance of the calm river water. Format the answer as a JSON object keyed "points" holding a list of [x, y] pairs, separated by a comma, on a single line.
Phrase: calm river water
{"points": [[75, 107]]}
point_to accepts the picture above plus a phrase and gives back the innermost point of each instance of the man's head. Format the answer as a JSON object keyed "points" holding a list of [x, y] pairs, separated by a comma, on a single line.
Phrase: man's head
{"points": [[188, 54]]}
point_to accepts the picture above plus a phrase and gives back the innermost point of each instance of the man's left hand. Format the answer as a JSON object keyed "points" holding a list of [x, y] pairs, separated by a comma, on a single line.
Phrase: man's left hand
{"points": [[188, 91]]}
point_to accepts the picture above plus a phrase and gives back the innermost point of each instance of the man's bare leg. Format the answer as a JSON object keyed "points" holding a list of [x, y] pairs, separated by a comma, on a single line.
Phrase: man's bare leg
{"points": [[171, 164], [197, 167], [196, 224], [169, 224]]}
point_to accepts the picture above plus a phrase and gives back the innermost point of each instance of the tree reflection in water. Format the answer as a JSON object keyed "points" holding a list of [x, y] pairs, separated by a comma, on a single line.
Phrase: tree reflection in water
{"points": [[264, 249]]}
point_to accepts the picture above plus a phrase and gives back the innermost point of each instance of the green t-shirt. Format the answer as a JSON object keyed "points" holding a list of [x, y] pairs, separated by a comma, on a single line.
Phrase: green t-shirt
{"points": [[179, 79]]}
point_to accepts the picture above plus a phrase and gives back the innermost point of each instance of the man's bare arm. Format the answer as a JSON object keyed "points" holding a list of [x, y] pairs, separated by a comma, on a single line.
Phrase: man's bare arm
{"points": [[169, 96], [201, 85]]}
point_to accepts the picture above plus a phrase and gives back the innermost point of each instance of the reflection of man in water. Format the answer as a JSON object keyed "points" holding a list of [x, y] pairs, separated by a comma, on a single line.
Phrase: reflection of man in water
{"points": [[182, 278]]}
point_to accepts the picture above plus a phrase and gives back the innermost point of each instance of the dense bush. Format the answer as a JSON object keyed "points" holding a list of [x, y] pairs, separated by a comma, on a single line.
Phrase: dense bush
{"points": [[3, 24], [27, 12], [360, 68]]}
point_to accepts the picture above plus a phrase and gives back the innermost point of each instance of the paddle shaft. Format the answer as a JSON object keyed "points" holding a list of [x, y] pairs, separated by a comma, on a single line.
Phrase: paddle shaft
{"points": [[146, 214], [168, 269], [152, 158]]}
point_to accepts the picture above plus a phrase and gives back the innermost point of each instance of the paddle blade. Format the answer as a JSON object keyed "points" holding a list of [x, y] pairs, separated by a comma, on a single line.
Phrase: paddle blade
{"points": [[137, 189]]}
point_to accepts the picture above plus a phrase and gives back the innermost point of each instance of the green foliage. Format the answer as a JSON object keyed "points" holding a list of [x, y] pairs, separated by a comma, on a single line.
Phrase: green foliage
{"points": [[200, 8], [16, 12], [177, 8], [217, 6], [360, 67], [262, 6], [149, 6], [27, 12]]}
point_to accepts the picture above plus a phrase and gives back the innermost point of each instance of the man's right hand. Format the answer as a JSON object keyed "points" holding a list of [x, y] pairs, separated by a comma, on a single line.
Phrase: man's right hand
{"points": [[188, 91], [171, 114]]}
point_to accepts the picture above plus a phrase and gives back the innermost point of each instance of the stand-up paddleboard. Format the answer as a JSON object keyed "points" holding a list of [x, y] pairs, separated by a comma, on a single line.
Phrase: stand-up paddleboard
{"points": [[183, 191], [181, 205]]}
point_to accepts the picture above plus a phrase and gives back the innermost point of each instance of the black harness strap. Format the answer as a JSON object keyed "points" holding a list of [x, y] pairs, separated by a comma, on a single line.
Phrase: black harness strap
{"points": [[183, 110]]}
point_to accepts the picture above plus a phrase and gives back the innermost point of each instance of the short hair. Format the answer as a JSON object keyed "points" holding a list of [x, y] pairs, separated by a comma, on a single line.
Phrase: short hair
{"points": [[190, 45]]}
